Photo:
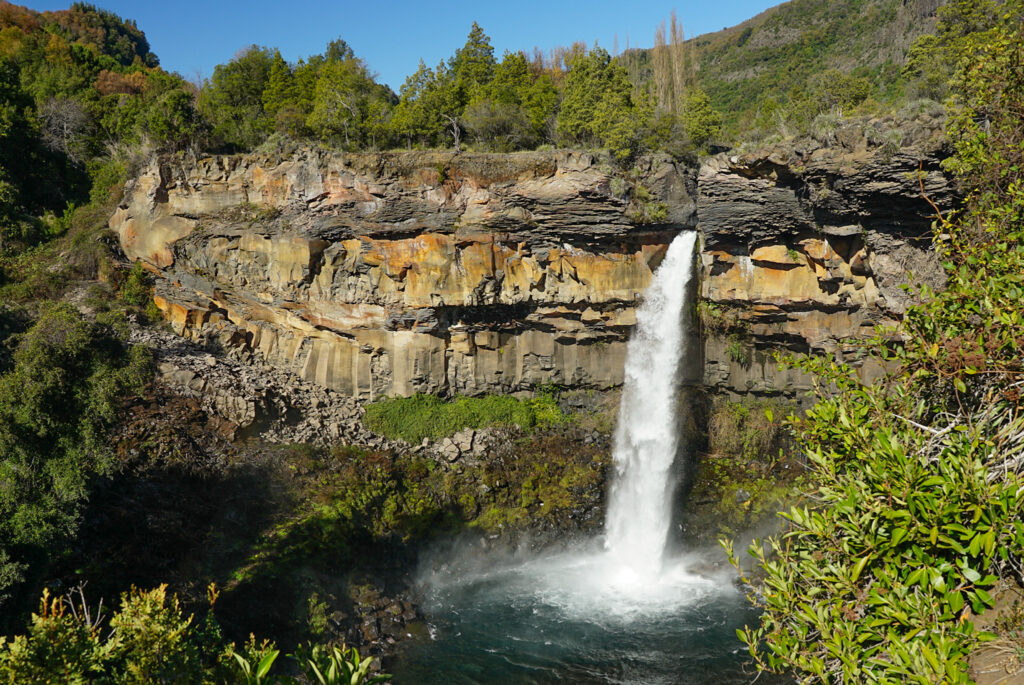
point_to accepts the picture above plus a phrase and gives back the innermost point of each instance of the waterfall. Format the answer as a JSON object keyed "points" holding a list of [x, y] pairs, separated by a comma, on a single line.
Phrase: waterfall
{"points": [[646, 438], [629, 577]]}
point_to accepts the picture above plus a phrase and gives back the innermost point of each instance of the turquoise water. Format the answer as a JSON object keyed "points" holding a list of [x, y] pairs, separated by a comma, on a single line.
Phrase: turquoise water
{"points": [[562, 619]]}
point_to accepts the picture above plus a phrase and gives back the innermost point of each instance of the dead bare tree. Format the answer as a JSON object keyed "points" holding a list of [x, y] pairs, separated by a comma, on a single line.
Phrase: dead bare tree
{"points": [[65, 124], [456, 130], [661, 68], [680, 63]]}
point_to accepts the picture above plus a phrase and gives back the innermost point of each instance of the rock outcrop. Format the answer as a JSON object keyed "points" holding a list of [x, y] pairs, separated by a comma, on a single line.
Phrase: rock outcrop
{"points": [[808, 247], [390, 274], [395, 273]]}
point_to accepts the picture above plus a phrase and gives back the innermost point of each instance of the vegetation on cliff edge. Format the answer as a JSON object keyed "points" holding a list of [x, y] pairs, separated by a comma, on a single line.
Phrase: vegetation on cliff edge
{"points": [[915, 515]]}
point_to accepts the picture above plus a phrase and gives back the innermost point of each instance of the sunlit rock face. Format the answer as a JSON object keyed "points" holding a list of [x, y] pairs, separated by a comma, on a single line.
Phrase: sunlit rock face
{"points": [[396, 273], [390, 274], [810, 249]]}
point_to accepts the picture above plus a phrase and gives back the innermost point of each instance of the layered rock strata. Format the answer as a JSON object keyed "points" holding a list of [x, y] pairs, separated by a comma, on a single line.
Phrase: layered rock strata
{"points": [[809, 249], [396, 273], [391, 274]]}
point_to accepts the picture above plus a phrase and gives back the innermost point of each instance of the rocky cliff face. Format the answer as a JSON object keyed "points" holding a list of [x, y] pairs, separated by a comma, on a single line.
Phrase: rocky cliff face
{"points": [[395, 273], [390, 274], [809, 246]]}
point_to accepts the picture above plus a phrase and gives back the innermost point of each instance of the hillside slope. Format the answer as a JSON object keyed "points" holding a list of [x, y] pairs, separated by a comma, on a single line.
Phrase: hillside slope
{"points": [[781, 53]]}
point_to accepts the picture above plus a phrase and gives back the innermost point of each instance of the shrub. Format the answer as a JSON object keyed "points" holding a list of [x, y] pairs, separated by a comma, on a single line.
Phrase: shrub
{"points": [[920, 479], [63, 390], [153, 641], [718, 319], [135, 288]]}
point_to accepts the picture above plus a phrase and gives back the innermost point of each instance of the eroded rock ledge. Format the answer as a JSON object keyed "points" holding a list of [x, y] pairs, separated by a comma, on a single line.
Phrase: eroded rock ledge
{"points": [[390, 274], [808, 247], [395, 273]]}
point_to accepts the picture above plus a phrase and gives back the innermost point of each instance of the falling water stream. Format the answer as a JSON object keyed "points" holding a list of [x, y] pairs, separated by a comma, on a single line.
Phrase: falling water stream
{"points": [[620, 609]]}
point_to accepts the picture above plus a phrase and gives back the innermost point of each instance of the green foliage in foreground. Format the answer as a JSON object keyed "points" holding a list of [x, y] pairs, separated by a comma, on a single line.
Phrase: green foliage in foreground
{"points": [[60, 391], [149, 639], [919, 488], [428, 416]]}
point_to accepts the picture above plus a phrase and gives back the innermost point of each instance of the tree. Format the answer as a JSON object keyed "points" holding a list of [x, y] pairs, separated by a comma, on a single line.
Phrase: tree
{"points": [[837, 92], [933, 58], [171, 120], [503, 126], [413, 119], [62, 392], [701, 123], [446, 98], [65, 127], [337, 100], [598, 107], [16, 135], [33, 178], [473, 64], [281, 96], [514, 109], [347, 103], [232, 100], [378, 121]]}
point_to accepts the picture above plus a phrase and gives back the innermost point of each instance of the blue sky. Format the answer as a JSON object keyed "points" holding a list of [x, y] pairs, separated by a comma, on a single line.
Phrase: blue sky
{"points": [[192, 36]]}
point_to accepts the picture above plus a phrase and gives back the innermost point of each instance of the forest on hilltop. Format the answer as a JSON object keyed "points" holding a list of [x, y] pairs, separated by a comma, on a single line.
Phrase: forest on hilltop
{"points": [[776, 72], [81, 94]]}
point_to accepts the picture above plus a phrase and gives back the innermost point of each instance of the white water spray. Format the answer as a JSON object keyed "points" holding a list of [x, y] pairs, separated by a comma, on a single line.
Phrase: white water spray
{"points": [[646, 438], [631, 579]]}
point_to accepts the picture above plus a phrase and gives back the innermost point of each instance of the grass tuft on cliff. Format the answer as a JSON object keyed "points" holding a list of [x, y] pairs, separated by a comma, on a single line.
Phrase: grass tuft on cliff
{"points": [[428, 416]]}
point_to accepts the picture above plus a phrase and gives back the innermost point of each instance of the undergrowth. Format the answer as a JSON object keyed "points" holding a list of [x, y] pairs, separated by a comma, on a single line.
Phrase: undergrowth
{"points": [[427, 416]]}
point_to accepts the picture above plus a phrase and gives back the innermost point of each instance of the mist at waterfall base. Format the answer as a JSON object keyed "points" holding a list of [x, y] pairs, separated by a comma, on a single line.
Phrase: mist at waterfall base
{"points": [[620, 609]]}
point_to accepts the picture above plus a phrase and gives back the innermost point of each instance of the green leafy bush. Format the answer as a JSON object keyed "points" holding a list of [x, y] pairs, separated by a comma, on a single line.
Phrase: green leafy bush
{"points": [[427, 416], [63, 390], [135, 289], [918, 477]]}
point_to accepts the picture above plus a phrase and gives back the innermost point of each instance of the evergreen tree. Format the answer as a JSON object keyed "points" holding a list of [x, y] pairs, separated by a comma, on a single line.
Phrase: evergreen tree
{"points": [[281, 92], [412, 119], [701, 123], [513, 110], [445, 101], [339, 100], [473, 64], [598, 107], [232, 100]]}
